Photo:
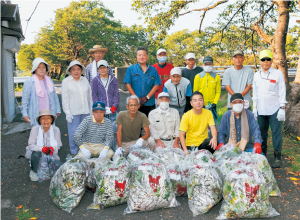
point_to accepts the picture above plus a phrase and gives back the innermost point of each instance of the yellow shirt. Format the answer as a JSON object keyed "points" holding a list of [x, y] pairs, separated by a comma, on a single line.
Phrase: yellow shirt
{"points": [[196, 126]]}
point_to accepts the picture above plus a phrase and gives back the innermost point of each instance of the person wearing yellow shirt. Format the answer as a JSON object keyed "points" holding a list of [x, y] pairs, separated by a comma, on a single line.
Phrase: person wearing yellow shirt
{"points": [[209, 84], [193, 130]]}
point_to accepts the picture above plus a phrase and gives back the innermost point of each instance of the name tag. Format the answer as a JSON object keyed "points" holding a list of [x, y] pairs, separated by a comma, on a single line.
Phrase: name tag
{"points": [[272, 81]]}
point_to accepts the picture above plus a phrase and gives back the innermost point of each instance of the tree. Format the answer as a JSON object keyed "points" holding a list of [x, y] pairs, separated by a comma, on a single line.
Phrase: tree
{"points": [[25, 57]]}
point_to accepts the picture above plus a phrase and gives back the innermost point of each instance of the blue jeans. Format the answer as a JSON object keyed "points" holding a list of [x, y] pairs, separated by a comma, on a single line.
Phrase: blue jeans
{"points": [[264, 121], [72, 127]]}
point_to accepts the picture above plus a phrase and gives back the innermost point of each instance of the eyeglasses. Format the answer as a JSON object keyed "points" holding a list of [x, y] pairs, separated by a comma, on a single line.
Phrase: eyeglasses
{"points": [[265, 59]]}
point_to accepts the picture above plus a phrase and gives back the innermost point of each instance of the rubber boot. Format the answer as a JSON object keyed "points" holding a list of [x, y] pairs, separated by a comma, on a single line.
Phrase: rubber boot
{"points": [[277, 159]]}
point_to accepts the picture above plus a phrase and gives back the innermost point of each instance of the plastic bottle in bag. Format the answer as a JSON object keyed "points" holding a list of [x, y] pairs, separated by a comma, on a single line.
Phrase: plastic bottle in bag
{"points": [[47, 167]]}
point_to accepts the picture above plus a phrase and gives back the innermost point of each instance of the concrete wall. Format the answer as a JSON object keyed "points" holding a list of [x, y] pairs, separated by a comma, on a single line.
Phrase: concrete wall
{"points": [[120, 75]]}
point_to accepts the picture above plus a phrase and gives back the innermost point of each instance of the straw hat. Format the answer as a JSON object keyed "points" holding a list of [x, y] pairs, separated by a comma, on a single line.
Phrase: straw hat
{"points": [[45, 112], [97, 48]]}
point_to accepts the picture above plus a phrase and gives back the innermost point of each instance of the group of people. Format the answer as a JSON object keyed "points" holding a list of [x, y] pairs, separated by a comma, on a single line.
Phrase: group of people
{"points": [[167, 106]]}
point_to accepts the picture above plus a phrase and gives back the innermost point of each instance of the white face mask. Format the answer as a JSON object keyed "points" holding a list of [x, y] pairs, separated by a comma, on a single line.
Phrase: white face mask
{"points": [[207, 69], [238, 107], [164, 105]]}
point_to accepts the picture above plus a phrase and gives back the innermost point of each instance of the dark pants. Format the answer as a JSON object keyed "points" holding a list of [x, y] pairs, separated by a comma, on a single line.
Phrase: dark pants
{"points": [[276, 127], [205, 145], [35, 159], [146, 109]]}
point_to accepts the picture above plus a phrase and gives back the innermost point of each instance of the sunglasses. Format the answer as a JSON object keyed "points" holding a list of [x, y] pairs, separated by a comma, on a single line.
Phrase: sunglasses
{"points": [[265, 59]]}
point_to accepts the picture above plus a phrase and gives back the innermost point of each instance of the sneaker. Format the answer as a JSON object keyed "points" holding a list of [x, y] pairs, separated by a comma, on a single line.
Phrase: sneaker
{"points": [[277, 160], [33, 176]]}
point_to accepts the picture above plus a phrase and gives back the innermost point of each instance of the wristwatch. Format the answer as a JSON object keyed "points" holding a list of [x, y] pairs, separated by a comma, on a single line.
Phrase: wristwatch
{"points": [[147, 97], [282, 107]]}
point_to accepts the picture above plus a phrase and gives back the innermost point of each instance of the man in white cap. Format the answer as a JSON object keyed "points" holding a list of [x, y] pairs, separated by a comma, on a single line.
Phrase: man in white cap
{"points": [[163, 68], [164, 123], [238, 79], [191, 69], [269, 98], [97, 52], [179, 90]]}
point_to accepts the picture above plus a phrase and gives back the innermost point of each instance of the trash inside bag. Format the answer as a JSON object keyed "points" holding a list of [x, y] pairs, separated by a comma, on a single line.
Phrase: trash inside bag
{"points": [[169, 155], [141, 154], [67, 186], [47, 167], [92, 163], [134, 147], [150, 187]]}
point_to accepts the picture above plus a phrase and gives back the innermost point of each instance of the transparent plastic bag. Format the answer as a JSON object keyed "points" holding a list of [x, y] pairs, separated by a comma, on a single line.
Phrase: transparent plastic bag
{"points": [[246, 195], [113, 180], [67, 186], [150, 187], [141, 154], [92, 163], [170, 155], [200, 156], [178, 173], [115, 143], [134, 147], [47, 167], [204, 186]]}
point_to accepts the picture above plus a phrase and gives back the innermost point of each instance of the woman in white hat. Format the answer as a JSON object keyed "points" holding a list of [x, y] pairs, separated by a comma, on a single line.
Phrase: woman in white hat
{"points": [[44, 138], [76, 100], [39, 93]]}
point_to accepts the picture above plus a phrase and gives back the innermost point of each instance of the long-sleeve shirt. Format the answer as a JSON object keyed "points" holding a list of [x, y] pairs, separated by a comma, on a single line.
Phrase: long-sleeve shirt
{"points": [[88, 72], [164, 126], [269, 91], [76, 96], [90, 132], [224, 128]]}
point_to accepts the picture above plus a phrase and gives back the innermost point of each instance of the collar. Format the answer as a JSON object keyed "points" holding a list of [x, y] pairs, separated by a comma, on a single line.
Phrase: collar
{"points": [[162, 66], [167, 112], [193, 67], [72, 78], [94, 120], [269, 70], [141, 67]]}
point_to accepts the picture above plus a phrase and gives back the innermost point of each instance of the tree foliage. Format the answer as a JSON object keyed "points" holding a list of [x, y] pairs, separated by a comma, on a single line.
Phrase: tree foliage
{"points": [[25, 57]]}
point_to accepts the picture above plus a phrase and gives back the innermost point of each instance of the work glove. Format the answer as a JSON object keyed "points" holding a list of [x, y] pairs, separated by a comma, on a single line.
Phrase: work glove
{"points": [[103, 153], [220, 145], [51, 150], [257, 148], [281, 115], [113, 110], [69, 118], [139, 142], [86, 152], [143, 100], [246, 104], [46, 150], [119, 151], [255, 112]]}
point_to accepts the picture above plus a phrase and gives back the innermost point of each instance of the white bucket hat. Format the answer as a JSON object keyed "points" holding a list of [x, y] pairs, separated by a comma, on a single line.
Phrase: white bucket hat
{"points": [[102, 63], [73, 63], [36, 62]]}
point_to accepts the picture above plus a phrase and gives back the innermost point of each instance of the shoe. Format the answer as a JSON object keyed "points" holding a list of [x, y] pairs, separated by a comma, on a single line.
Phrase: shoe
{"points": [[277, 159], [33, 176]]}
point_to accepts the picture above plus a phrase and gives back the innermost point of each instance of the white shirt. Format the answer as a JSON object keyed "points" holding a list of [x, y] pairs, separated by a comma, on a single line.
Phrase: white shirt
{"points": [[76, 96], [269, 92]]}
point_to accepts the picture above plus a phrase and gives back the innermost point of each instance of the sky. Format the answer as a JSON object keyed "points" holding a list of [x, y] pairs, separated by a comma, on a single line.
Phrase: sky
{"points": [[45, 11]]}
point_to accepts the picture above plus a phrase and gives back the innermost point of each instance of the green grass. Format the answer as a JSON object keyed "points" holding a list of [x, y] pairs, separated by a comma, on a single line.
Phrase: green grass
{"points": [[222, 104], [25, 214]]}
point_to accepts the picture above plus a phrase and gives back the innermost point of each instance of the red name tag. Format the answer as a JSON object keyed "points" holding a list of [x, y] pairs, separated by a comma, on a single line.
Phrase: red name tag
{"points": [[272, 80]]}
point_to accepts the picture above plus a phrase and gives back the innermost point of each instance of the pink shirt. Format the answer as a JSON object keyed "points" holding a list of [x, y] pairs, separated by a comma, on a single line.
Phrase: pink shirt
{"points": [[44, 101]]}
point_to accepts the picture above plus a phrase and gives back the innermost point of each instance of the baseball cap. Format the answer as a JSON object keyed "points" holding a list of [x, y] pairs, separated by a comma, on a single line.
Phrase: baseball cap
{"points": [[175, 70], [238, 52], [190, 55], [236, 96], [163, 94], [99, 106], [208, 59], [102, 63], [265, 53], [161, 50]]}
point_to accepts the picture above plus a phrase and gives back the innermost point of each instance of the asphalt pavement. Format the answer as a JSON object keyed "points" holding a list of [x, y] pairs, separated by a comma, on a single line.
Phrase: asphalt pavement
{"points": [[17, 189]]}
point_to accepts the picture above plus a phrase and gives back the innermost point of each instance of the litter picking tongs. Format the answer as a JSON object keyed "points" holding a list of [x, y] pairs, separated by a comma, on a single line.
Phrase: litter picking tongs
{"points": [[215, 115]]}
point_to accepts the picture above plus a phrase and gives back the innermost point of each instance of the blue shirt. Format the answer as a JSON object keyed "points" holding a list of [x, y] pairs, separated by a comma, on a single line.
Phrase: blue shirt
{"points": [[141, 82], [224, 128], [188, 92]]}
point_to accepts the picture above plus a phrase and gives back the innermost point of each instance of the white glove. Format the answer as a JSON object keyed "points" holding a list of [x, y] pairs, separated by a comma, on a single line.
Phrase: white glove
{"points": [[246, 104], [103, 153], [86, 153], [119, 151], [139, 142], [108, 111], [281, 115], [69, 118], [255, 113]]}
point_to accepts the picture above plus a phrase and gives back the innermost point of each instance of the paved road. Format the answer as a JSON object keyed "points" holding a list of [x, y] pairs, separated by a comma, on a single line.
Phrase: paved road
{"points": [[17, 189]]}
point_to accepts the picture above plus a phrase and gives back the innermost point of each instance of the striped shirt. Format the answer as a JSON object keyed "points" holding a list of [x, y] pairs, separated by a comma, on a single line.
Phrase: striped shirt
{"points": [[90, 132]]}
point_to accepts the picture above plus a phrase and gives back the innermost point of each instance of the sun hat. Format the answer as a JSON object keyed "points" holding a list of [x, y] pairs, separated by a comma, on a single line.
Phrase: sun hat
{"points": [[36, 62], [163, 94], [45, 112], [175, 70], [99, 106], [97, 48], [190, 55], [265, 53], [160, 51], [73, 63], [102, 63]]}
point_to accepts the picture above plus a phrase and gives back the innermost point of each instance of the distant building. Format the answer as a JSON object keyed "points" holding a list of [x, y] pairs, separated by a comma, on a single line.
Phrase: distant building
{"points": [[11, 37]]}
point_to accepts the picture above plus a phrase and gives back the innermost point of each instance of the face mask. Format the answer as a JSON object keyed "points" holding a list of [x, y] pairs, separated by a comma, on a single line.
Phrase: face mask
{"points": [[238, 107], [164, 105], [207, 69], [162, 59]]}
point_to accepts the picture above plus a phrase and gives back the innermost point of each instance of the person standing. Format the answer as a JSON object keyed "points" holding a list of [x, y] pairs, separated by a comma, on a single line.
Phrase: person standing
{"points": [[209, 84], [76, 100], [39, 93], [269, 99], [97, 52], [238, 79], [143, 80], [163, 68]]}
